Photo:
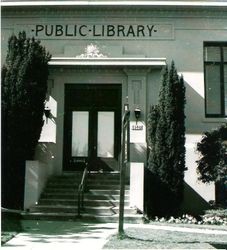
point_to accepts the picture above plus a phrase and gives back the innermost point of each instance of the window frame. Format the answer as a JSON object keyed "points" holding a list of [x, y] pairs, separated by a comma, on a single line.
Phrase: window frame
{"points": [[221, 63]]}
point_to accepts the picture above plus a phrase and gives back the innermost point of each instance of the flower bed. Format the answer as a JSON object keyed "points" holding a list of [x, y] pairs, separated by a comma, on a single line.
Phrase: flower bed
{"points": [[211, 217], [215, 217]]}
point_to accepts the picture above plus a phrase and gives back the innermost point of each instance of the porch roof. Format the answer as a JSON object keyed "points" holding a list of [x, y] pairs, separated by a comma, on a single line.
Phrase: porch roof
{"points": [[73, 61]]}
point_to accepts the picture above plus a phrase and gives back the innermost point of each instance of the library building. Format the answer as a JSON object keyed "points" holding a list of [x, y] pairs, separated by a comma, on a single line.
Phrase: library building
{"points": [[107, 58]]}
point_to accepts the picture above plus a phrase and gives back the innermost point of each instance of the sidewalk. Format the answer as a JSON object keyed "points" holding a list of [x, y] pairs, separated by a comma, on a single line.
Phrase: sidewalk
{"points": [[56, 235], [61, 235]]}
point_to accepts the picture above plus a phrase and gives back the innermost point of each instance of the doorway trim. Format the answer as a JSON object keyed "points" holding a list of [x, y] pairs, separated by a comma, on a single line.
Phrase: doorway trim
{"points": [[92, 99]]}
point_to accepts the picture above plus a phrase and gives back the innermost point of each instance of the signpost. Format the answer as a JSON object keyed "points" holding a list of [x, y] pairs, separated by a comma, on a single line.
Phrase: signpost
{"points": [[124, 161]]}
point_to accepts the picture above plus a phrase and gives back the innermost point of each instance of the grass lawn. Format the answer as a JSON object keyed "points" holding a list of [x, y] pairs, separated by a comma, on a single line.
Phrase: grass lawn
{"points": [[10, 226], [148, 238]]}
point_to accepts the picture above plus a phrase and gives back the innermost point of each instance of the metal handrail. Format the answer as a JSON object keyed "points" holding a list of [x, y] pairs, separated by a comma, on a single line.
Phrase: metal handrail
{"points": [[81, 189]]}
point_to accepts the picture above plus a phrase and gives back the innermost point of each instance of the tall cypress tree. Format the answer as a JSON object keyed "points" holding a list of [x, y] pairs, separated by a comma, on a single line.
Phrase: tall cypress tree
{"points": [[24, 86], [152, 120], [175, 104], [166, 142]]}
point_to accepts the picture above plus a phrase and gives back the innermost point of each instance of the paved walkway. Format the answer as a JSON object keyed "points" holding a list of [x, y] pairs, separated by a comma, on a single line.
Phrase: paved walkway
{"points": [[61, 235]]}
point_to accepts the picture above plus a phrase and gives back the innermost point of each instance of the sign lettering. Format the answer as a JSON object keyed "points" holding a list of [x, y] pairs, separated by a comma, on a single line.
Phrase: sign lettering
{"points": [[137, 127], [102, 31]]}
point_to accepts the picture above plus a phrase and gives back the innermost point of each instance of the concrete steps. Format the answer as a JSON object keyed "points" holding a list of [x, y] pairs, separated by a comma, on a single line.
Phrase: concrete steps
{"points": [[101, 200]]}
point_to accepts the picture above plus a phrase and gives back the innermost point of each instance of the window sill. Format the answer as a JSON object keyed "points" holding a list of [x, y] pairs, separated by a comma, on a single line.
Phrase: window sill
{"points": [[214, 119]]}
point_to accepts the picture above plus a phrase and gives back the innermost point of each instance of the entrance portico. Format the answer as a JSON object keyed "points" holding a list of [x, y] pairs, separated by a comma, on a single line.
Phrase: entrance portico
{"points": [[129, 75], [89, 116]]}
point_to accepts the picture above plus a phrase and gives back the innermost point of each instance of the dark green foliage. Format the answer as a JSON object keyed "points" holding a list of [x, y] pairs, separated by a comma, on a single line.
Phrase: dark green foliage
{"points": [[212, 165], [166, 138], [24, 86], [152, 120]]}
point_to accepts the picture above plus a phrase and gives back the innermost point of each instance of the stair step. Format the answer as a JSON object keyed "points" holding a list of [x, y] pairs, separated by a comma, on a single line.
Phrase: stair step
{"points": [[107, 210], [104, 175], [100, 203], [49, 201], [131, 218], [87, 202], [85, 217], [108, 187], [52, 182], [54, 208], [66, 178], [105, 192], [104, 210], [59, 195], [60, 190], [63, 184], [96, 196], [97, 181], [104, 181], [73, 193]]}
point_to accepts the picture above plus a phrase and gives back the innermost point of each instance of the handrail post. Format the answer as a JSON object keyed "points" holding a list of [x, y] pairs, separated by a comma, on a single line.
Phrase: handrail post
{"points": [[81, 192], [78, 208], [124, 160]]}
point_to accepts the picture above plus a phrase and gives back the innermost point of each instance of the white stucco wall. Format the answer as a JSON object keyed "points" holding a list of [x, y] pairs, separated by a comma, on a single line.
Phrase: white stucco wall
{"points": [[206, 191], [137, 185]]}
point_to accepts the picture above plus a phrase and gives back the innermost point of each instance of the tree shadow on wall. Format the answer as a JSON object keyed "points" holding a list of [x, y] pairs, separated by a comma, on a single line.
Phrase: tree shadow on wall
{"points": [[159, 201], [193, 203]]}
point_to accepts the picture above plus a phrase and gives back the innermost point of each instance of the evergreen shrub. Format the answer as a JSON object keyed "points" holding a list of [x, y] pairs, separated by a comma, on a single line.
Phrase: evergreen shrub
{"points": [[24, 87], [212, 165], [166, 138]]}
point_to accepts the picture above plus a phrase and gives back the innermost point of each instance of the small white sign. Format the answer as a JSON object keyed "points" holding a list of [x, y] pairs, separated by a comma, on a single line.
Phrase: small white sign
{"points": [[137, 132]]}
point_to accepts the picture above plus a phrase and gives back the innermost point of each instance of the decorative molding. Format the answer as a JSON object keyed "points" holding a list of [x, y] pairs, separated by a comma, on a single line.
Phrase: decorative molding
{"points": [[136, 86], [89, 70], [92, 51]]}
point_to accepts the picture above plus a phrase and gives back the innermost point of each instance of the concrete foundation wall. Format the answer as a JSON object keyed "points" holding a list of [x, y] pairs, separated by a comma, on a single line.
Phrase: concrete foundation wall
{"points": [[36, 175]]}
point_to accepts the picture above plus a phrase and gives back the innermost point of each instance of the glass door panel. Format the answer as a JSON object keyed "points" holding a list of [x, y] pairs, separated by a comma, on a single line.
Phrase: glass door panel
{"points": [[80, 126], [105, 141]]}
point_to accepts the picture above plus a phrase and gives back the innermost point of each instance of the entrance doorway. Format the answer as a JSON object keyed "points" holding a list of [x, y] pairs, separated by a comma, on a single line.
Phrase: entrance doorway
{"points": [[92, 126]]}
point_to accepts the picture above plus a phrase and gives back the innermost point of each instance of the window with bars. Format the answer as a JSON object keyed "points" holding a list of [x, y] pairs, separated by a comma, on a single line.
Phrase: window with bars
{"points": [[215, 65]]}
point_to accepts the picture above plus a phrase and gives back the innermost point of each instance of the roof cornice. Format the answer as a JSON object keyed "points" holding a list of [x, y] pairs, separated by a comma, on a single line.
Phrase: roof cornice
{"points": [[116, 3]]}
